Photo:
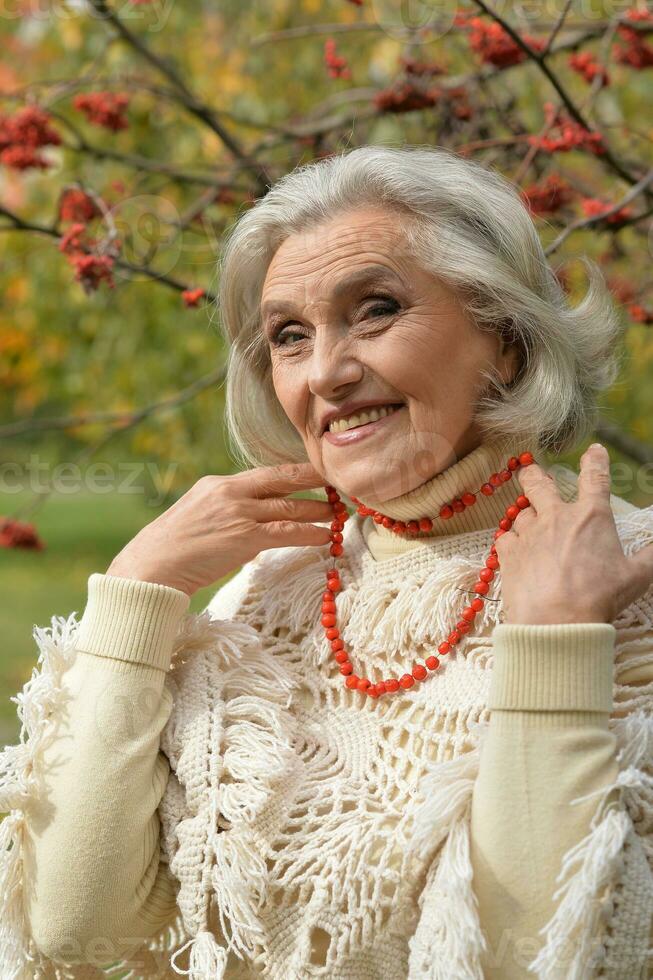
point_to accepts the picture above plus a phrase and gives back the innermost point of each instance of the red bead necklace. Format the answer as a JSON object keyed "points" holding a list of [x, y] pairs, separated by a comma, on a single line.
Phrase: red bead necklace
{"points": [[481, 588]]}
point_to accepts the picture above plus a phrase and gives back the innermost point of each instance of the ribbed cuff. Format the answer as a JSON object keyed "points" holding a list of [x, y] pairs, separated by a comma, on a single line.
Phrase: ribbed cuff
{"points": [[128, 619], [559, 667]]}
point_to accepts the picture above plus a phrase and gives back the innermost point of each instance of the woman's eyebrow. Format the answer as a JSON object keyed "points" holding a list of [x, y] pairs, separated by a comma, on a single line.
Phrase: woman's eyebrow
{"points": [[369, 275]]}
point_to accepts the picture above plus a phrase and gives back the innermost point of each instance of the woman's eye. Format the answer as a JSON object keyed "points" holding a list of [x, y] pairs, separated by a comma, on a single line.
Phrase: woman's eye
{"points": [[385, 308]]}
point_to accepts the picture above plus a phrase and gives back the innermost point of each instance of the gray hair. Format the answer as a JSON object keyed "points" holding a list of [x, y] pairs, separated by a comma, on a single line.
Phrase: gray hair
{"points": [[470, 228]]}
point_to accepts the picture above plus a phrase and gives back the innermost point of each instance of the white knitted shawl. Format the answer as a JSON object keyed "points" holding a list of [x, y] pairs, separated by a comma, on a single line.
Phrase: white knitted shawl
{"points": [[296, 807]]}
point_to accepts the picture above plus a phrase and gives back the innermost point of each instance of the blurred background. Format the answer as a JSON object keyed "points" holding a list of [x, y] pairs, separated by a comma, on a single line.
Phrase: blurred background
{"points": [[133, 134]]}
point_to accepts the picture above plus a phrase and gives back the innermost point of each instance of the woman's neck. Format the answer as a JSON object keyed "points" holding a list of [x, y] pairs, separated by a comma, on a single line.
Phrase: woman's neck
{"points": [[425, 500]]}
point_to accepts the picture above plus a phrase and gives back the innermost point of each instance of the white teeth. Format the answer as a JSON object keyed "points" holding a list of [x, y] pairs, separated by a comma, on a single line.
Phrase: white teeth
{"points": [[371, 415]]}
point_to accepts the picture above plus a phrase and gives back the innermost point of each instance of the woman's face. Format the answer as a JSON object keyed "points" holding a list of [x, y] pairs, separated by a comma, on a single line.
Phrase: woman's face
{"points": [[401, 337]]}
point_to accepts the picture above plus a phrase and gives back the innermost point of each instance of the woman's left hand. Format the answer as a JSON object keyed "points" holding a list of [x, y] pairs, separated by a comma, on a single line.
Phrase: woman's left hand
{"points": [[562, 562]]}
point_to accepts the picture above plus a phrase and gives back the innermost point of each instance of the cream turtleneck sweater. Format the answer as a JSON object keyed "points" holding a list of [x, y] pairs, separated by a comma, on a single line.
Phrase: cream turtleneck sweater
{"points": [[88, 849], [425, 500]]}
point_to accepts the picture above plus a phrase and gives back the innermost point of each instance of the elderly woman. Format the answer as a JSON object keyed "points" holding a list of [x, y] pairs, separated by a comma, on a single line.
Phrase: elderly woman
{"points": [[409, 741]]}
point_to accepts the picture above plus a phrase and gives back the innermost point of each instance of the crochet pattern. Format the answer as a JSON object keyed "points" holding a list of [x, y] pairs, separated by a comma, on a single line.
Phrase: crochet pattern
{"points": [[316, 832]]}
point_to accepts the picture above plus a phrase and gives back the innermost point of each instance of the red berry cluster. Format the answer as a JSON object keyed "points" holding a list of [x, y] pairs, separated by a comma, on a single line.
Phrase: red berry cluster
{"points": [[17, 534], [494, 45], [76, 205], [90, 268], [549, 195], [191, 297], [636, 52], [468, 614], [104, 108], [593, 207], [639, 313], [624, 291], [405, 97], [23, 135], [336, 65], [420, 68], [586, 65], [570, 136]]}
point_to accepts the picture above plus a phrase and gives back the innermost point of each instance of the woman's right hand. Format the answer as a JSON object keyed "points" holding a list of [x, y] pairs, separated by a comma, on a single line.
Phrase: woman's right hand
{"points": [[222, 522]]}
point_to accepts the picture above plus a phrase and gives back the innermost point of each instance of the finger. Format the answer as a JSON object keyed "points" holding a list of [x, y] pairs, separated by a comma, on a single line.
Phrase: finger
{"points": [[292, 509], [538, 486], [288, 533], [523, 520], [594, 476], [268, 481]]}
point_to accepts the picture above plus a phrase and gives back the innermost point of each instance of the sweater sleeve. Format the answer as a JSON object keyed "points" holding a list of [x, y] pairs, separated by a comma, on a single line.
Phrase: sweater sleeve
{"points": [[548, 743], [92, 854]]}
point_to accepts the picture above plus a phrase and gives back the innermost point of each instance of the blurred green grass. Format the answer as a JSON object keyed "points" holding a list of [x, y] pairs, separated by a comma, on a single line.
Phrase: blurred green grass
{"points": [[82, 532]]}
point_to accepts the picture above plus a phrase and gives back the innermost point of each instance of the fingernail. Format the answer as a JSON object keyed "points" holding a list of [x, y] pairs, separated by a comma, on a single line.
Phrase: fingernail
{"points": [[596, 445]]}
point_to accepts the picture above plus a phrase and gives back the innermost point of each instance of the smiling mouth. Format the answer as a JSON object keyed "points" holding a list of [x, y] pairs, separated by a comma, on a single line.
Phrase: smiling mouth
{"points": [[394, 405]]}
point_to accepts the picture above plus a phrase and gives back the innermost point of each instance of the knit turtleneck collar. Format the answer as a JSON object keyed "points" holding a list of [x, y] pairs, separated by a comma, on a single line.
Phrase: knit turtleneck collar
{"points": [[425, 500]]}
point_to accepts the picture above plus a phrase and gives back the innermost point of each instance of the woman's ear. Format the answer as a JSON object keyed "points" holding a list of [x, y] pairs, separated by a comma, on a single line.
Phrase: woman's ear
{"points": [[509, 361]]}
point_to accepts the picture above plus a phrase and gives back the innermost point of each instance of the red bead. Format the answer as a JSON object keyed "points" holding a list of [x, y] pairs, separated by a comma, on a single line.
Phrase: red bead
{"points": [[425, 524]]}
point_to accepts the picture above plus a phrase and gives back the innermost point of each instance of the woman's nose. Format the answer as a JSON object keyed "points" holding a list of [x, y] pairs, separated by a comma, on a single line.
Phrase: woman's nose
{"points": [[333, 363]]}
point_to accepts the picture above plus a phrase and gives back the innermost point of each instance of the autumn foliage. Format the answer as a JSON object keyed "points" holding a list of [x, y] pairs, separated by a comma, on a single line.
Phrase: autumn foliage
{"points": [[129, 170]]}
